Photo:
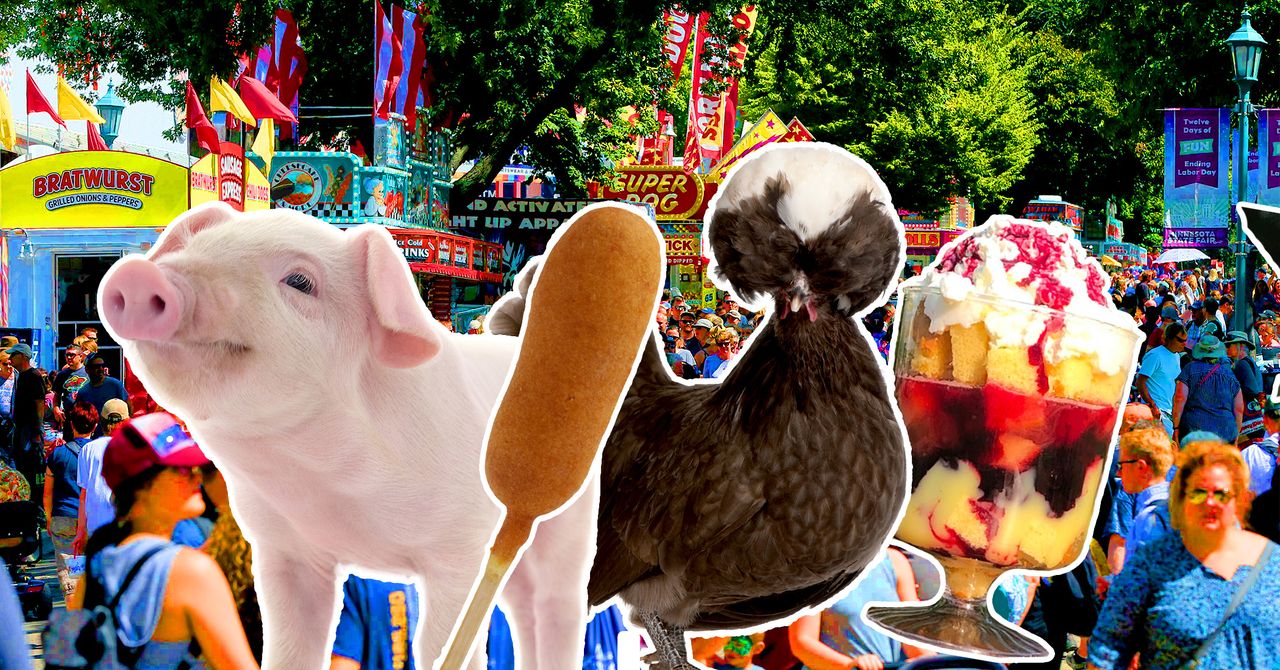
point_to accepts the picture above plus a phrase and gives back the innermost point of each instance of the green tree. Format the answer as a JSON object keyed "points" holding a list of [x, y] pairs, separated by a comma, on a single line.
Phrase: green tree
{"points": [[931, 93], [1079, 115]]}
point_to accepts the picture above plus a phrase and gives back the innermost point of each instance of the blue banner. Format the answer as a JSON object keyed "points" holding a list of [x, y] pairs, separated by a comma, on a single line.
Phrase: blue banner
{"points": [[1196, 189], [1269, 160]]}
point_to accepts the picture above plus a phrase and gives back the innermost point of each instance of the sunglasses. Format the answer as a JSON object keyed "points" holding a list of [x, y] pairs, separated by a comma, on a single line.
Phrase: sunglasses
{"points": [[1199, 496], [1131, 460], [688, 323]]}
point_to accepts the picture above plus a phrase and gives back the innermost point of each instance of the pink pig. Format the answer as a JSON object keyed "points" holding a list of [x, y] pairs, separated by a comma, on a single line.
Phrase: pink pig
{"points": [[348, 423]]}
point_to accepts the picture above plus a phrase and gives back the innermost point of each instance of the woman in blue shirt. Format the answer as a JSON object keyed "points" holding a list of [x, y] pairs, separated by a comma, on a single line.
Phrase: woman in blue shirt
{"points": [[1207, 395], [839, 636], [1171, 601]]}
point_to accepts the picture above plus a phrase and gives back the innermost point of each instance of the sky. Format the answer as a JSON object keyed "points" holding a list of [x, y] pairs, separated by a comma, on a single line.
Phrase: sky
{"points": [[142, 123]]}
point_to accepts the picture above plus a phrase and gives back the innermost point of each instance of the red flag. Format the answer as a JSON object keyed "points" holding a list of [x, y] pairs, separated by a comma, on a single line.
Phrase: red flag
{"points": [[262, 103], [702, 107], [675, 43], [395, 70], [290, 78], [96, 143], [206, 134], [37, 103], [416, 61]]}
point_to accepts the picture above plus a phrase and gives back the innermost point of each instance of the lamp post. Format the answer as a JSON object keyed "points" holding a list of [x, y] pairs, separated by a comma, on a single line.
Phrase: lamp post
{"points": [[1245, 45], [111, 107]]}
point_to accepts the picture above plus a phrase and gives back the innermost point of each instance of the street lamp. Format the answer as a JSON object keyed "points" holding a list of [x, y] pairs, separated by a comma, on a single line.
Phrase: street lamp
{"points": [[111, 107], [1245, 45]]}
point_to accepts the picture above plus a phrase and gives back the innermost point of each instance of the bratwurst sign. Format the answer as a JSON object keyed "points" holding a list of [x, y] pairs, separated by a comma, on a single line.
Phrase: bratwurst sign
{"points": [[92, 189]]}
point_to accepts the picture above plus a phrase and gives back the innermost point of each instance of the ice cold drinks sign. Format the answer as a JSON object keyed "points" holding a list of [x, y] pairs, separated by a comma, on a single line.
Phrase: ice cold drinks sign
{"points": [[1197, 137]]}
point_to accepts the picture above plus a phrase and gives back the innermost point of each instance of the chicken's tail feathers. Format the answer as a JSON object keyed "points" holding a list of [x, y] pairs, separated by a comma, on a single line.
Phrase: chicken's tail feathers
{"points": [[653, 367]]}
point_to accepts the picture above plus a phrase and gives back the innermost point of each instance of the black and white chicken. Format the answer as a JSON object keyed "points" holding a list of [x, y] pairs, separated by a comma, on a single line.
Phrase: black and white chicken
{"points": [[729, 505]]}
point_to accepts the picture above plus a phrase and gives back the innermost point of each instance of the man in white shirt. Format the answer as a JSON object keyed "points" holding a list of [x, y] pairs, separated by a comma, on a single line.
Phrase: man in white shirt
{"points": [[1159, 372], [96, 508]]}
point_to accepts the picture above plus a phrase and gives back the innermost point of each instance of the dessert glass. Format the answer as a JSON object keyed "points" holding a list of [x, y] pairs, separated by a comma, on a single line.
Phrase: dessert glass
{"points": [[1009, 448]]}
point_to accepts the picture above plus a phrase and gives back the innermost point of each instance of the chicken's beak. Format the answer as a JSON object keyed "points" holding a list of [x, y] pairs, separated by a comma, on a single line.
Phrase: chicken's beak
{"points": [[797, 298]]}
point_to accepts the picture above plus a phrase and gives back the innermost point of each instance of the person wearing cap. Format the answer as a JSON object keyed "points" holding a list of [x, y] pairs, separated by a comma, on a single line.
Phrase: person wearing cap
{"points": [[1261, 456], [179, 601], [96, 509], [101, 387], [1168, 315], [687, 322], [1208, 396], [1240, 351], [701, 334], [1195, 327], [71, 378], [26, 447]]}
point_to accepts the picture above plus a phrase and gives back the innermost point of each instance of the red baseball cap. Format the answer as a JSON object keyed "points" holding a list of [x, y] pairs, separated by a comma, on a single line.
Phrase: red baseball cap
{"points": [[146, 441]]}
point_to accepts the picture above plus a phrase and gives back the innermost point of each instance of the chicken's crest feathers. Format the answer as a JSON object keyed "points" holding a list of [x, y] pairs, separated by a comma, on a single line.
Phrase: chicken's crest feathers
{"points": [[807, 214]]}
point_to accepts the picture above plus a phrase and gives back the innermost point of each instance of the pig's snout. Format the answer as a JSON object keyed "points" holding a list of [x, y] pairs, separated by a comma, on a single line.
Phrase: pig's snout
{"points": [[140, 303]]}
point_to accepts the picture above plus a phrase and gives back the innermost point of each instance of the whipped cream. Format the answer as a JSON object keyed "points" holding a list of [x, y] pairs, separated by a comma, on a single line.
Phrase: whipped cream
{"points": [[992, 272]]}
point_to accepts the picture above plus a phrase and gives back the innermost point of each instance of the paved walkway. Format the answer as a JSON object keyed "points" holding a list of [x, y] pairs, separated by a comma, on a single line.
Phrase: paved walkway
{"points": [[45, 570]]}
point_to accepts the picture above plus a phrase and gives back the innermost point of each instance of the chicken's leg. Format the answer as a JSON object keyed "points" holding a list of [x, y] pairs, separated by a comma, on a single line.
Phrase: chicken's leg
{"points": [[672, 651]]}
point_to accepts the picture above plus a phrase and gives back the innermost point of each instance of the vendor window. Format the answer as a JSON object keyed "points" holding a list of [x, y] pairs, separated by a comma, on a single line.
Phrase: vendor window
{"points": [[76, 280]]}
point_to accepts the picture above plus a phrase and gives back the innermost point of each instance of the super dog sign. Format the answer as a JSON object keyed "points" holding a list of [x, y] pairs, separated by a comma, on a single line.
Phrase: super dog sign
{"points": [[92, 189], [674, 195]]}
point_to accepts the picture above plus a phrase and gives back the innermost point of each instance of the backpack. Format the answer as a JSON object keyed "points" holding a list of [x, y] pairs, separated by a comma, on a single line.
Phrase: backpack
{"points": [[86, 639]]}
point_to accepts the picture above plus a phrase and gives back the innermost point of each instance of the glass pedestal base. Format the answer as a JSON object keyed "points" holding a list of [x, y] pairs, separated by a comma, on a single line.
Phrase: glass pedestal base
{"points": [[962, 627]]}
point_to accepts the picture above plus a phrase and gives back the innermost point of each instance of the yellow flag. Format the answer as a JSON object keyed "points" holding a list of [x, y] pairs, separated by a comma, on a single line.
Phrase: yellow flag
{"points": [[223, 98], [265, 143], [72, 107], [8, 135]]}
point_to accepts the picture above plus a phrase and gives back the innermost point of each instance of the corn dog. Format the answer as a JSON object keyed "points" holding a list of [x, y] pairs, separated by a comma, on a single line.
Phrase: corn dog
{"points": [[553, 419]]}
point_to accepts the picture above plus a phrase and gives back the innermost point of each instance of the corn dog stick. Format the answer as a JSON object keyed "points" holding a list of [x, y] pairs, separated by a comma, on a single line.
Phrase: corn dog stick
{"points": [[553, 419]]}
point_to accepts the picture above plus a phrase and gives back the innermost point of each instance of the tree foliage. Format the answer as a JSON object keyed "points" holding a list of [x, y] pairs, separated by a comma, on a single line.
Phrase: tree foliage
{"points": [[997, 100], [932, 93]]}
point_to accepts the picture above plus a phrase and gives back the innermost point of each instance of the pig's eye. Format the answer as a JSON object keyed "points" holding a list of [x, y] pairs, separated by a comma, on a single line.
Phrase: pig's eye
{"points": [[300, 282]]}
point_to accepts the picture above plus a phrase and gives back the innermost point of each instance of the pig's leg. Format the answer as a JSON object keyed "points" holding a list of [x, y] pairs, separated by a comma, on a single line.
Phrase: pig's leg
{"points": [[518, 604], [447, 586], [298, 593], [559, 565]]}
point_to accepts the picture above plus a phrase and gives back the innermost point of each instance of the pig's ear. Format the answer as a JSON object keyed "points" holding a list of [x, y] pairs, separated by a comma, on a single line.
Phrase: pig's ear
{"points": [[177, 234], [402, 333]]}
